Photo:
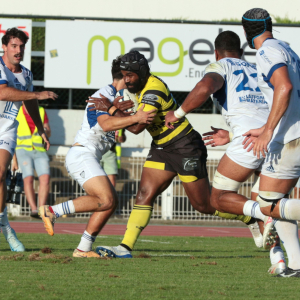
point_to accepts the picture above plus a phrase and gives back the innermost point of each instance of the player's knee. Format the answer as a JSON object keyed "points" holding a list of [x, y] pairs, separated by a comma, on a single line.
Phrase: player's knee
{"points": [[224, 183], [44, 180], [268, 200], [143, 196], [106, 202]]}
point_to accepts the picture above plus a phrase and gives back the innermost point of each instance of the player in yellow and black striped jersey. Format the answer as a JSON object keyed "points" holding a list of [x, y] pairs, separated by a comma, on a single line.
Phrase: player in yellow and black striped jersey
{"points": [[179, 151], [156, 94]]}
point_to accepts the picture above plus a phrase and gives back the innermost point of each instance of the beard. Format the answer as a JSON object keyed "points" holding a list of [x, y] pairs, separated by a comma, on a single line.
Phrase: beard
{"points": [[135, 86]]}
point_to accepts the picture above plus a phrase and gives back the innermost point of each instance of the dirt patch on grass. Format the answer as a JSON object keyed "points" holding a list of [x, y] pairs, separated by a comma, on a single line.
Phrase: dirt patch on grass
{"points": [[113, 276], [46, 250], [12, 257], [143, 255]]}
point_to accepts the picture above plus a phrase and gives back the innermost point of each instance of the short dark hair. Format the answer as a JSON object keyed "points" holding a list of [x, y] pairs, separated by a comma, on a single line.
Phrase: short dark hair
{"points": [[14, 33], [115, 68], [228, 41]]}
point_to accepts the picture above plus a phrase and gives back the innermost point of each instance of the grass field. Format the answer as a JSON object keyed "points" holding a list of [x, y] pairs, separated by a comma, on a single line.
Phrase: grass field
{"points": [[162, 268]]}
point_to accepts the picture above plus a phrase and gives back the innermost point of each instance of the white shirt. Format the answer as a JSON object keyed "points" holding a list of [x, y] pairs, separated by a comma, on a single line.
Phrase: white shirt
{"points": [[91, 135], [8, 109], [272, 55], [239, 100]]}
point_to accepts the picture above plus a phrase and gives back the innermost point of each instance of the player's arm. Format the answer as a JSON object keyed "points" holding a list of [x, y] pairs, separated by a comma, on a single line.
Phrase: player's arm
{"points": [[110, 123], [12, 94], [209, 84], [277, 74], [117, 109], [33, 110]]}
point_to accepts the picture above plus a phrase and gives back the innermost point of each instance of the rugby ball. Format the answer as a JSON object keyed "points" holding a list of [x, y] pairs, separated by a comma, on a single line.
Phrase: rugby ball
{"points": [[128, 96]]}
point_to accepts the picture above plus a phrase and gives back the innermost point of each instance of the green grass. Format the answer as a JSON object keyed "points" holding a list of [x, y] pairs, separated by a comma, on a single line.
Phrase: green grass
{"points": [[163, 268]]}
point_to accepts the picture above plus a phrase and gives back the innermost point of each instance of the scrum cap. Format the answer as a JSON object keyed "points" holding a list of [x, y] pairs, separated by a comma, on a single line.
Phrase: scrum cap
{"points": [[255, 22], [135, 62]]}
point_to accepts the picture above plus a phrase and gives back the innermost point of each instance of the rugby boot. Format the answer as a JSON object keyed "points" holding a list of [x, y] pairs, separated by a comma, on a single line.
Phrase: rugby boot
{"points": [[87, 254], [14, 243], [115, 252], [270, 234], [48, 218], [257, 236], [288, 272]]}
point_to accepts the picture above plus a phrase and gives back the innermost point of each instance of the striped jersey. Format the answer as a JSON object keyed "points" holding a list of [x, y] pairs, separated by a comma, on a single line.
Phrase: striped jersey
{"points": [[272, 55], [156, 94], [9, 109]]}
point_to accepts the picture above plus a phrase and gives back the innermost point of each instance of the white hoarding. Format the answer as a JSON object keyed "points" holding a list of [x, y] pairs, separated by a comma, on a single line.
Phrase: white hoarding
{"points": [[21, 24], [79, 53]]}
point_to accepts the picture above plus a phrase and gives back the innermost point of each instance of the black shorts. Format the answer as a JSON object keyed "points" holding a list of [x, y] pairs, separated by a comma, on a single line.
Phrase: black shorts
{"points": [[186, 157]]}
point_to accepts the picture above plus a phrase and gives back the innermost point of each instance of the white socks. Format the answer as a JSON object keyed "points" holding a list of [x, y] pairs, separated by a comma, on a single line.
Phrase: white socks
{"points": [[64, 208], [288, 233], [251, 208], [289, 209], [86, 242], [5, 226]]}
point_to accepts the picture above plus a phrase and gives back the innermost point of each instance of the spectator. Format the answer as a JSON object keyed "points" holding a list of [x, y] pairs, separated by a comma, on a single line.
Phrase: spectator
{"points": [[111, 160], [31, 155]]}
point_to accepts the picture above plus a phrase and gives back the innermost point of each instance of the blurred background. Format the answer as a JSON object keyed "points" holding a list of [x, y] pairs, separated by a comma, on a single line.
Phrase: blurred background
{"points": [[70, 50]]}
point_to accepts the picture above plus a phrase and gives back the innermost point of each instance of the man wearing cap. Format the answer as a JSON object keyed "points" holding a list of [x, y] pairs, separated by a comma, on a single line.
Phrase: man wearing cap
{"points": [[278, 72]]}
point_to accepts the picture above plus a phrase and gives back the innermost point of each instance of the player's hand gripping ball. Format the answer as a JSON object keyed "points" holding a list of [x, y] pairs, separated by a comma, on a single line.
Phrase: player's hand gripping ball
{"points": [[128, 96]]}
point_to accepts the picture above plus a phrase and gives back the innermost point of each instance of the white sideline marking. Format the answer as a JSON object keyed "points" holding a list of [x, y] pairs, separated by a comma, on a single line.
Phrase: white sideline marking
{"points": [[72, 231], [219, 230], [150, 241]]}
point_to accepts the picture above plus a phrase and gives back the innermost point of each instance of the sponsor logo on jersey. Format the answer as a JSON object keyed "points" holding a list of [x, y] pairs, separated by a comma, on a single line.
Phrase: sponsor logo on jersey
{"points": [[265, 57], [82, 174], [150, 97], [253, 99], [270, 169], [149, 156]]}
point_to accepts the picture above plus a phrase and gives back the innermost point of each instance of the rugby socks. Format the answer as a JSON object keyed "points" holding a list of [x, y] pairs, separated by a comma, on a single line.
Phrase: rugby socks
{"points": [[86, 242], [5, 226], [245, 219], [251, 208], [289, 209], [138, 220], [288, 233], [64, 208]]}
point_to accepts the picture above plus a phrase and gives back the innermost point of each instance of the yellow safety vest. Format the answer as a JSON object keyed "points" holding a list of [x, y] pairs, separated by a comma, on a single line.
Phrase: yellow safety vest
{"points": [[26, 140]]}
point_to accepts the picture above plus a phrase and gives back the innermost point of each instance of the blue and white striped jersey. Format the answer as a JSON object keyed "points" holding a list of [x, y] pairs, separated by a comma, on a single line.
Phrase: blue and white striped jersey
{"points": [[8, 109], [91, 135], [272, 55], [240, 101]]}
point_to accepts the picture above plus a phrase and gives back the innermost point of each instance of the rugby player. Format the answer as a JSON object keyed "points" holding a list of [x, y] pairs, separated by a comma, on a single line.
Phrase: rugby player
{"points": [[233, 85], [15, 87], [96, 137], [173, 152], [278, 73]]}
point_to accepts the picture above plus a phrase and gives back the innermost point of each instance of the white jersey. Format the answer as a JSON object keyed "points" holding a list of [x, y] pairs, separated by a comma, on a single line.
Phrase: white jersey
{"points": [[240, 101], [91, 135], [8, 109], [272, 55]]}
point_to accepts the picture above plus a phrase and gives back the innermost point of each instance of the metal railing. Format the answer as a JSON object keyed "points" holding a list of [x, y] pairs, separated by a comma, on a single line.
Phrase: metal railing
{"points": [[173, 204]]}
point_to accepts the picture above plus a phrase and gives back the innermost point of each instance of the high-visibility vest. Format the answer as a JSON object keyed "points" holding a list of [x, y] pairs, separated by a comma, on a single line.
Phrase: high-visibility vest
{"points": [[25, 139], [119, 150]]}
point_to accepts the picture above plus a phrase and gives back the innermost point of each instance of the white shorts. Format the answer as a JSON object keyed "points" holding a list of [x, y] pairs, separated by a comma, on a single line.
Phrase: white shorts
{"points": [[82, 165], [8, 140], [239, 155], [282, 160]]}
